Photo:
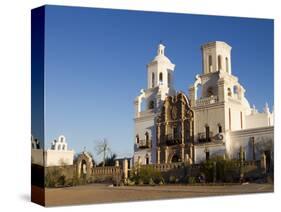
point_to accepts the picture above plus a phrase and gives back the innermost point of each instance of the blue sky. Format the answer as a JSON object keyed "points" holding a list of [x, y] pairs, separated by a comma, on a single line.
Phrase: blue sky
{"points": [[96, 65]]}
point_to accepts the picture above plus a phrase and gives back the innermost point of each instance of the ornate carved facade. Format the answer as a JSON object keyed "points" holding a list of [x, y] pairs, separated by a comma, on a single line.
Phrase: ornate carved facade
{"points": [[175, 130]]}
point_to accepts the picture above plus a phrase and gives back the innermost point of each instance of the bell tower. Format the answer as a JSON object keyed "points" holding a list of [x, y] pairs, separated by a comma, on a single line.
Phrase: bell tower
{"points": [[149, 103], [216, 57], [160, 70]]}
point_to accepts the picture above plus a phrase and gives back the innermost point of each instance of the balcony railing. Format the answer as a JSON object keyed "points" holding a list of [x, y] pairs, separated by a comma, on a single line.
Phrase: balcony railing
{"points": [[172, 139], [216, 138], [207, 101], [202, 138], [144, 144]]}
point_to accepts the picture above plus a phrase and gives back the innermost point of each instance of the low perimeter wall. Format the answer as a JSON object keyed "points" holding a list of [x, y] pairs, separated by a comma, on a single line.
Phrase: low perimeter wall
{"points": [[251, 170]]}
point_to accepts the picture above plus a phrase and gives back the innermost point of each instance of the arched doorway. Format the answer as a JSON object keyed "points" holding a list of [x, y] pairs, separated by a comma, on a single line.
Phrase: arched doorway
{"points": [[84, 165], [83, 168], [175, 158]]}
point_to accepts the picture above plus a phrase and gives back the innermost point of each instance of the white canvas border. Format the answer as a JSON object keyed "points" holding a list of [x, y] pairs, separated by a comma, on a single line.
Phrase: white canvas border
{"points": [[15, 102]]}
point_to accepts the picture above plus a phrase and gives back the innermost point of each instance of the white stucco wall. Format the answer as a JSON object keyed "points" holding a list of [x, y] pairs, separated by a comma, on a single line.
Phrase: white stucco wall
{"points": [[52, 157], [142, 155], [235, 110], [264, 138], [259, 120], [143, 125], [213, 149], [58, 158], [37, 156], [211, 116]]}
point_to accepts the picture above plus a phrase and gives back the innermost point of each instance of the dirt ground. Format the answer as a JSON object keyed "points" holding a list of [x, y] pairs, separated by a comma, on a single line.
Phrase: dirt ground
{"points": [[101, 193]]}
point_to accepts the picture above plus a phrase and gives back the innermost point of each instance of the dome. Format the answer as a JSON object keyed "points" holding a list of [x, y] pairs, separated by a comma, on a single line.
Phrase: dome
{"points": [[160, 57]]}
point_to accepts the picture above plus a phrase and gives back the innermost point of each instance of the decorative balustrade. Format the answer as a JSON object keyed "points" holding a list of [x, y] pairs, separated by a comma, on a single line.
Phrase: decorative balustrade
{"points": [[207, 101], [107, 170], [251, 163], [162, 167]]}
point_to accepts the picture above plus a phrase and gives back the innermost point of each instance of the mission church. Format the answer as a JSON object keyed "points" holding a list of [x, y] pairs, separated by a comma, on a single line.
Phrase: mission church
{"points": [[214, 119]]}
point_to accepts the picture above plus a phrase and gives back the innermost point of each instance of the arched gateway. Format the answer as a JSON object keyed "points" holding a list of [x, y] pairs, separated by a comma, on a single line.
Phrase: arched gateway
{"points": [[84, 165]]}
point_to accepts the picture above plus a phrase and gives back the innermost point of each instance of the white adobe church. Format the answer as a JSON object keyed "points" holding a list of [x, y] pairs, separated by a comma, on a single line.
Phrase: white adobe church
{"points": [[57, 155], [224, 124]]}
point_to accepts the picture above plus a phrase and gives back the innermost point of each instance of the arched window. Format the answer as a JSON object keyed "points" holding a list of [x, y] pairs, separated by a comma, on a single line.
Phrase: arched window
{"points": [[235, 89], [147, 159], [210, 91], [175, 132], [226, 65], [219, 62], [229, 93], [219, 128], [59, 147], [198, 91], [210, 63], [61, 139], [207, 131], [137, 139], [152, 80], [207, 155], [169, 79], [160, 77], [63, 147], [146, 136], [151, 105]]}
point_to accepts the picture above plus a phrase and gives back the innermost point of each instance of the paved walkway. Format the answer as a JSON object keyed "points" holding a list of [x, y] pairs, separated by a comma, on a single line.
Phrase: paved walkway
{"points": [[100, 193]]}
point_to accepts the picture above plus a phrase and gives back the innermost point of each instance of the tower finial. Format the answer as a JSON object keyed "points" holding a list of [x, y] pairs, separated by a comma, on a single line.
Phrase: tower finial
{"points": [[161, 48], [266, 108]]}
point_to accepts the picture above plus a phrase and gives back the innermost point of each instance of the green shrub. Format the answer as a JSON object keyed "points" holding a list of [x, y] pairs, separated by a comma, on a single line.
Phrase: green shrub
{"points": [[225, 169], [207, 167], [56, 177], [151, 182], [52, 176], [172, 179], [145, 175], [191, 180], [61, 180]]}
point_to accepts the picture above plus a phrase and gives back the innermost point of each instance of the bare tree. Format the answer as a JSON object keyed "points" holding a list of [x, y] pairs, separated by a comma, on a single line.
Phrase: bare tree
{"points": [[102, 148]]}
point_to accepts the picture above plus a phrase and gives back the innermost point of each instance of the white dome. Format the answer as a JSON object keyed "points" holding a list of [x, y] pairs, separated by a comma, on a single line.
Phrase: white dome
{"points": [[161, 58]]}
